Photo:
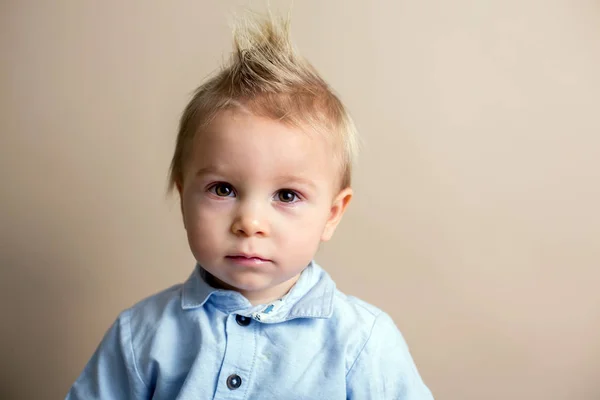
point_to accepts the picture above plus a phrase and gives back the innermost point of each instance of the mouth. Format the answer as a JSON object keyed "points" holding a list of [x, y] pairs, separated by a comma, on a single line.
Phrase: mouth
{"points": [[247, 259]]}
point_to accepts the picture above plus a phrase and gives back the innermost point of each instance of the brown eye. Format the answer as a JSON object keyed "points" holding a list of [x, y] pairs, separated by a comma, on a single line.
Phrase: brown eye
{"points": [[286, 196], [222, 189]]}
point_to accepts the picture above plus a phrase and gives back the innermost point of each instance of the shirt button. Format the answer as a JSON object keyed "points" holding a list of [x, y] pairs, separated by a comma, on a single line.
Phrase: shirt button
{"points": [[242, 321], [234, 381]]}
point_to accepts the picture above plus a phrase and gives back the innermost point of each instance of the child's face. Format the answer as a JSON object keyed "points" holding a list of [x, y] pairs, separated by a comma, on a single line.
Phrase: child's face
{"points": [[257, 199]]}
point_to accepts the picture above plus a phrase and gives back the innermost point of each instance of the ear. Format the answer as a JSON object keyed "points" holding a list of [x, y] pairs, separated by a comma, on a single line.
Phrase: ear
{"points": [[338, 207], [180, 191]]}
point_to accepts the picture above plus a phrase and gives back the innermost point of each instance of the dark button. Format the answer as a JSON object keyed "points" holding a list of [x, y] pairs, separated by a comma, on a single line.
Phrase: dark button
{"points": [[241, 320], [234, 381]]}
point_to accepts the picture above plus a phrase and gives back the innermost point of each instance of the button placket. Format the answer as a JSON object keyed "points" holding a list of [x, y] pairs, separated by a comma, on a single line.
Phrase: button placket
{"points": [[240, 353]]}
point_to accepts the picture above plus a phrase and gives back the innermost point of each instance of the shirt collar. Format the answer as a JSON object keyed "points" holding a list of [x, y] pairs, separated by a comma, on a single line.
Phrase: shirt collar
{"points": [[311, 296]]}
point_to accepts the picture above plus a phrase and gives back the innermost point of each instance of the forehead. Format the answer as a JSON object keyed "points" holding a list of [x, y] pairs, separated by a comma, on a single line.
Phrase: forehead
{"points": [[245, 144]]}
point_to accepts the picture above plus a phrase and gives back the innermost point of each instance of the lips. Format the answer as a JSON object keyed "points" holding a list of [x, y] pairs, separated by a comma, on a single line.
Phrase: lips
{"points": [[248, 256], [247, 259]]}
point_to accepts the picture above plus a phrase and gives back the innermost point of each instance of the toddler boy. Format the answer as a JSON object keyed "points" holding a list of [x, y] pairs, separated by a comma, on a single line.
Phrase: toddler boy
{"points": [[262, 166]]}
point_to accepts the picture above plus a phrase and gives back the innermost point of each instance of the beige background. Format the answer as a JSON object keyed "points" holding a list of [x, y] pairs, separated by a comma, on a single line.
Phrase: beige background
{"points": [[475, 224]]}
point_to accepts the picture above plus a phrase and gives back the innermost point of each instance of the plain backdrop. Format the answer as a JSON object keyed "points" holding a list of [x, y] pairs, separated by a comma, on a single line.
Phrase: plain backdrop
{"points": [[475, 222]]}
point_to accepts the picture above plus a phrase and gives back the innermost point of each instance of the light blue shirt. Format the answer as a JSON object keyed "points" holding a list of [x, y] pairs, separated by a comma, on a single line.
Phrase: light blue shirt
{"points": [[193, 341]]}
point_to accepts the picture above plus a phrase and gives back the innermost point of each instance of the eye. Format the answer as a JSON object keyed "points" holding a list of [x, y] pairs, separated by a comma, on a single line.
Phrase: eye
{"points": [[222, 189], [287, 196]]}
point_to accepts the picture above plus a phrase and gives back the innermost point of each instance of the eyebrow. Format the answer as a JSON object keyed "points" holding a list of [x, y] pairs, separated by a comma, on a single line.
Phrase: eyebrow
{"points": [[211, 169], [299, 180]]}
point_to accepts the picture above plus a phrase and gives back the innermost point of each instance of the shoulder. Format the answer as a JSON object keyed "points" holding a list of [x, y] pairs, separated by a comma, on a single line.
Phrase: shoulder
{"points": [[143, 319], [351, 319], [154, 307], [355, 321], [379, 363], [368, 321], [357, 313]]}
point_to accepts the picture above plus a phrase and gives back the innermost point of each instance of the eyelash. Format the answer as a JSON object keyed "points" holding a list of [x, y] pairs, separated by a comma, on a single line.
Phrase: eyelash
{"points": [[213, 189]]}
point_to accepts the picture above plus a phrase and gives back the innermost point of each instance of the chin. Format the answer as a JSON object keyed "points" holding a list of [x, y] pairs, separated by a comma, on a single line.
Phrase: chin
{"points": [[248, 285]]}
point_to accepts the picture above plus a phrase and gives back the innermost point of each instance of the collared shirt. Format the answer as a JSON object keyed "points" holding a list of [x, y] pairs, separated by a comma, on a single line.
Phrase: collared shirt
{"points": [[193, 341]]}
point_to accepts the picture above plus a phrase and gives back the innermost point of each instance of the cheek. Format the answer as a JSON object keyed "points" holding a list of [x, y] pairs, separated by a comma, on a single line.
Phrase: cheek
{"points": [[200, 208], [203, 219], [299, 246], [301, 229]]}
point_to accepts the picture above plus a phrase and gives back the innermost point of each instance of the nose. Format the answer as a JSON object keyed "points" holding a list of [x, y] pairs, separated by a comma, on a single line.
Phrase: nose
{"points": [[249, 222]]}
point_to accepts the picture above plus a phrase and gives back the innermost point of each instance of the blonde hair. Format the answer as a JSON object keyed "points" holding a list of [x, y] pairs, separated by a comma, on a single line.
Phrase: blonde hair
{"points": [[267, 77]]}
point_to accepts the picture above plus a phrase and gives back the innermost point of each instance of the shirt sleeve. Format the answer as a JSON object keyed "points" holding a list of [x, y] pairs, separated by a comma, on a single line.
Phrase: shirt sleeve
{"points": [[111, 373], [384, 368]]}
